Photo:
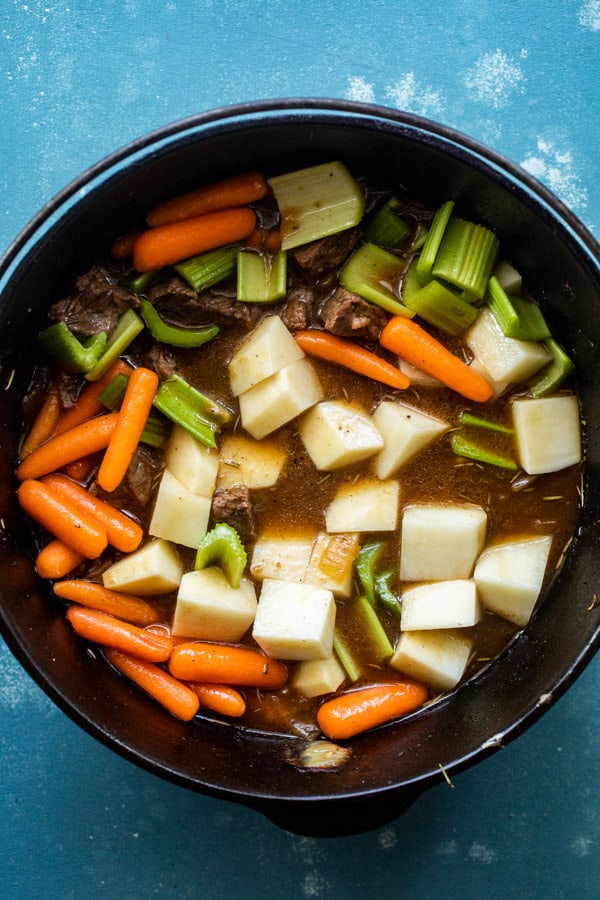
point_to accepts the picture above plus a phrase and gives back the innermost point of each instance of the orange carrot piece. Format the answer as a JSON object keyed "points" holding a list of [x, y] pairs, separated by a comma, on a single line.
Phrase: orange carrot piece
{"points": [[220, 698], [44, 425], [122, 247], [87, 404], [80, 469], [409, 340], [136, 405], [56, 560], [356, 711], [60, 517], [226, 664], [235, 191], [352, 356], [265, 239], [89, 437], [122, 532], [113, 603], [176, 697], [167, 244], [109, 631]]}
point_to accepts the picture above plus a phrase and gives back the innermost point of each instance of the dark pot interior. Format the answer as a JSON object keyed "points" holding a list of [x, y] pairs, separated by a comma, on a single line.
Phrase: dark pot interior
{"points": [[389, 767]]}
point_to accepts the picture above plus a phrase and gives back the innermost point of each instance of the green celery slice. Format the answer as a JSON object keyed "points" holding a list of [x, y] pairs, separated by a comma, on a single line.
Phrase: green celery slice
{"points": [[222, 547], [346, 657], [373, 273], [381, 643], [128, 328], [169, 334], [365, 565], [69, 353], [467, 418], [441, 307], [518, 318], [385, 594], [433, 240], [261, 277], [207, 269], [180, 402], [386, 228], [554, 374], [466, 256], [462, 446]]}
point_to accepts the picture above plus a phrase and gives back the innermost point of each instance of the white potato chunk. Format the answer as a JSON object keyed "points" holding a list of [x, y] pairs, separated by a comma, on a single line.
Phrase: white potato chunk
{"points": [[441, 604], [209, 609], [509, 278], [336, 434], [257, 464], [294, 621], [277, 400], [193, 464], [417, 377], [440, 542], [282, 554], [505, 358], [406, 431], [331, 563], [153, 569], [436, 658], [547, 432], [366, 505], [498, 387], [509, 577], [179, 515], [266, 350], [314, 677]]}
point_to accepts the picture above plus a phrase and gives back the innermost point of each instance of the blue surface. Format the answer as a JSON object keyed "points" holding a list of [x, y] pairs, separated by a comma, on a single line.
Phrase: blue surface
{"points": [[75, 84]]}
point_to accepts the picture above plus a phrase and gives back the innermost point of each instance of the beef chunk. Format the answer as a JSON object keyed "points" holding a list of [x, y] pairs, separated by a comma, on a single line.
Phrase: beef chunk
{"points": [[160, 360], [348, 315], [96, 305], [328, 252], [234, 506], [137, 487], [177, 302], [297, 311]]}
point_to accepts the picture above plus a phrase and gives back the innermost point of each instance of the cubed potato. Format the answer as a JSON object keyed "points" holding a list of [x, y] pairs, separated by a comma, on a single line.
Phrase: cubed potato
{"points": [[331, 563], [257, 464], [266, 350], [509, 278], [498, 387], [417, 377], [406, 431], [509, 577], [179, 515], [441, 542], [547, 432], [440, 604], [277, 400], [209, 609], [153, 569], [294, 621], [314, 677], [366, 505], [435, 658], [336, 434], [506, 359], [282, 554], [193, 464]]}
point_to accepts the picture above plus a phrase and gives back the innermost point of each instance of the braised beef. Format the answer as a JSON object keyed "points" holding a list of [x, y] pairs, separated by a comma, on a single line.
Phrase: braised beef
{"points": [[234, 506], [328, 252], [160, 360], [297, 313], [96, 304], [178, 303], [136, 489], [348, 315]]}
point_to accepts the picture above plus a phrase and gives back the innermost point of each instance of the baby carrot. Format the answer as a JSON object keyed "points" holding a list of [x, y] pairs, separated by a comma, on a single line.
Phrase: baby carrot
{"points": [[408, 339], [176, 697], [44, 425], [113, 603], [359, 710], [109, 631], [122, 247], [346, 353], [62, 519], [87, 404], [122, 532], [56, 560], [235, 191], [226, 664], [167, 244], [88, 437], [133, 414], [220, 698]]}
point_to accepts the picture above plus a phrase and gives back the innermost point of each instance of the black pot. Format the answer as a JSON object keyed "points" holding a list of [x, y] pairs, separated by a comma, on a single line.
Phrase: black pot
{"points": [[391, 766]]}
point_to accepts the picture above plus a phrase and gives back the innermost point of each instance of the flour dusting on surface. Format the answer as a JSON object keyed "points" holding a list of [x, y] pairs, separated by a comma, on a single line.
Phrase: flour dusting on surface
{"points": [[408, 94], [482, 854], [555, 168], [387, 838], [494, 78], [359, 89], [589, 15], [17, 688]]}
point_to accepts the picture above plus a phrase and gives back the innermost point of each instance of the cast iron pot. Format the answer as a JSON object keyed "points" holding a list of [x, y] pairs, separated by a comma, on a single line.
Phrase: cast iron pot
{"points": [[391, 766]]}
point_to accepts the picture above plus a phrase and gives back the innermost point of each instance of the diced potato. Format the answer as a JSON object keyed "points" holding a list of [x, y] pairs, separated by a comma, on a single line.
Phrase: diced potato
{"points": [[508, 277], [338, 434], [436, 658], [331, 563], [279, 399], [294, 621], [178, 515], [406, 431], [257, 464], [366, 505], [315, 677], [153, 569], [193, 464], [282, 554], [441, 542], [547, 432], [209, 609], [269, 348], [417, 377], [498, 387], [506, 359], [509, 577], [441, 604]]}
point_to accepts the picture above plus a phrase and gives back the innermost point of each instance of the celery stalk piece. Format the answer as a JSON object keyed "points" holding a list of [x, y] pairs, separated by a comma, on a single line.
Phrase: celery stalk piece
{"points": [[501, 306], [222, 547], [169, 334], [552, 376], [180, 402], [385, 594], [441, 307], [386, 228], [374, 629], [139, 282], [344, 654], [466, 256], [374, 274], [69, 353], [466, 418], [432, 242], [261, 277], [365, 565], [462, 446], [128, 328], [518, 318], [315, 202], [206, 269]]}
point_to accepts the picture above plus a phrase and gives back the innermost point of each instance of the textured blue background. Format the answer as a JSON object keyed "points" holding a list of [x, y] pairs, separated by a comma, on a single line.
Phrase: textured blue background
{"points": [[75, 84]]}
